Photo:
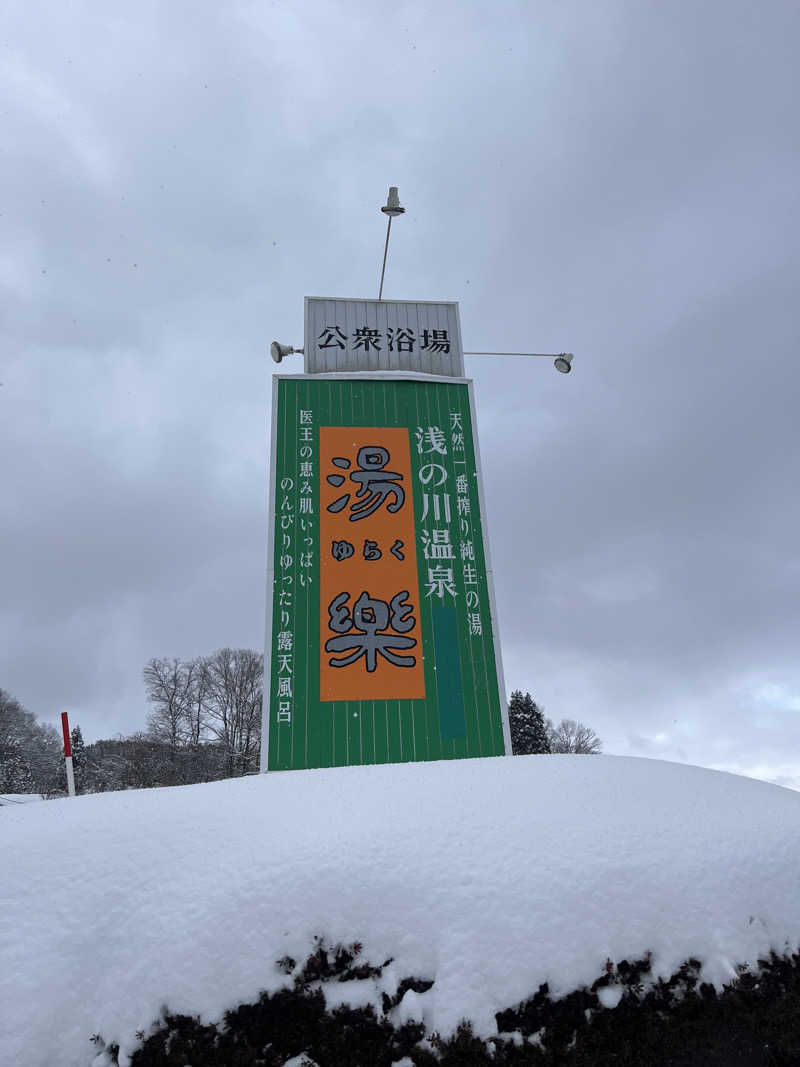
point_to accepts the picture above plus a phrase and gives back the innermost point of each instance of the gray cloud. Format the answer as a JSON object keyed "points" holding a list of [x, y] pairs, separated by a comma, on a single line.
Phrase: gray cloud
{"points": [[612, 179]]}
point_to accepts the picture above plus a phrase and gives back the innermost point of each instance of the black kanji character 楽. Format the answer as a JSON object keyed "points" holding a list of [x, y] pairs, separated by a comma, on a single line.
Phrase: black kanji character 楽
{"points": [[370, 616]]}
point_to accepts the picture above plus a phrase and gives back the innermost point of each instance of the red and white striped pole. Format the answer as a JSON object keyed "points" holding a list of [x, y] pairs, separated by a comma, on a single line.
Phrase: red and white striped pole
{"points": [[68, 754]]}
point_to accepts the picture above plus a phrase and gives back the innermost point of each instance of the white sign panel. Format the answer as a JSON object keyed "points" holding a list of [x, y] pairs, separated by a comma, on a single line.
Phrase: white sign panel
{"points": [[382, 335]]}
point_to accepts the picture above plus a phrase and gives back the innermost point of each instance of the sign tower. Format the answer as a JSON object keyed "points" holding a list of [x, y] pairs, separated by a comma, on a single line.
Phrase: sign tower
{"points": [[382, 641]]}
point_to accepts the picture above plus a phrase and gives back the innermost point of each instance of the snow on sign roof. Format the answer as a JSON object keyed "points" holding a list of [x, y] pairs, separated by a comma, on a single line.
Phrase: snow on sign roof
{"points": [[490, 876]]}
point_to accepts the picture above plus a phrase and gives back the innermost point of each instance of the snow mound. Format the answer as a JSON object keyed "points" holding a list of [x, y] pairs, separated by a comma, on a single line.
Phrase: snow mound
{"points": [[489, 876]]}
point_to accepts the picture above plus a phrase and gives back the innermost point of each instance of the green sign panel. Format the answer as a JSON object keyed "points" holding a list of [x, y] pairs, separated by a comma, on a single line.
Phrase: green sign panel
{"points": [[381, 643]]}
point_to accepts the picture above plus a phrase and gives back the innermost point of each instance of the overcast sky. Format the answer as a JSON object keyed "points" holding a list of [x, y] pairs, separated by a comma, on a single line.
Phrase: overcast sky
{"points": [[617, 179]]}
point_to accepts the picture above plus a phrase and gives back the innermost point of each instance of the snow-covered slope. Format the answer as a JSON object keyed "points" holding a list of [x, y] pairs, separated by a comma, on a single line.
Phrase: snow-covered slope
{"points": [[489, 876]]}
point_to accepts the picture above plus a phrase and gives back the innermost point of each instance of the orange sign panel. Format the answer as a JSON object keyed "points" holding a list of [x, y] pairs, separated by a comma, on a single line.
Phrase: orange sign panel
{"points": [[371, 637]]}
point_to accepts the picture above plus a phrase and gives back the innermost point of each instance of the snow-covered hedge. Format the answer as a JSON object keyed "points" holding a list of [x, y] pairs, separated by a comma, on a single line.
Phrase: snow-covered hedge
{"points": [[488, 877]]}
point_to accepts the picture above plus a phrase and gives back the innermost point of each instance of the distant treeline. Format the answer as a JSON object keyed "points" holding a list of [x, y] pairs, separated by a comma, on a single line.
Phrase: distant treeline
{"points": [[204, 723]]}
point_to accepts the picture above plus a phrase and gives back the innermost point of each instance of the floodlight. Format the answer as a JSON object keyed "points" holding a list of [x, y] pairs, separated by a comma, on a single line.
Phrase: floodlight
{"points": [[563, 362], [278, 351]]}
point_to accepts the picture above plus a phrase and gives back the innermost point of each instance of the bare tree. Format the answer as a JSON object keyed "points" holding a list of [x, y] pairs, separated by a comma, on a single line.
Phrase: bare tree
{"points": [[197, 692], [204, 723], [203, 754], [165, 682], [572, 736], [233, 705]]}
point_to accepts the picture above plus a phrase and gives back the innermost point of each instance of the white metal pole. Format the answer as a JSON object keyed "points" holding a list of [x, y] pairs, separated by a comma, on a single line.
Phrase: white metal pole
{"points": [[541, 355], [68, 754], [70, 776]]}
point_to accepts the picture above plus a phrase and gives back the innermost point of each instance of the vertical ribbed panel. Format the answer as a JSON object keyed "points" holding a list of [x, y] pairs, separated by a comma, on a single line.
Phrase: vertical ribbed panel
{"points": [[446, 579], [411, 336]]}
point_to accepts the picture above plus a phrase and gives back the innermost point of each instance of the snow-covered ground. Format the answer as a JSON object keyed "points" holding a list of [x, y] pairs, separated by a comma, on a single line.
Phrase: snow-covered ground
{"points": [[489, 876]]}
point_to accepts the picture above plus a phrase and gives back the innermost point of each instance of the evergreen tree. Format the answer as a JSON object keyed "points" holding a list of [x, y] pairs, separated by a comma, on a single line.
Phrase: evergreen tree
{"points": [[526, 720], [78, 758], [28, 750]]}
